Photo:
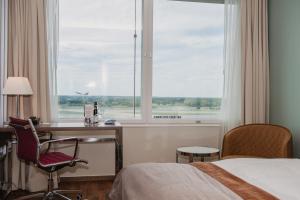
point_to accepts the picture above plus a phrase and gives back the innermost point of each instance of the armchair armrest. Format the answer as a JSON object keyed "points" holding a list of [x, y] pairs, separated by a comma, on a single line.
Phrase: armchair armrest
{"points": [[76, 140]]}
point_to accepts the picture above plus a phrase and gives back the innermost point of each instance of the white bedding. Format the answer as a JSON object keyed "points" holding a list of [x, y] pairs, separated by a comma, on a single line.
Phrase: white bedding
{"points": [[158, 181], [279, 177]]}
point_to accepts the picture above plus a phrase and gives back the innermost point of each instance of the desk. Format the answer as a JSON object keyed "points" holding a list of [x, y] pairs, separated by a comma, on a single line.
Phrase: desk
{"points": [[63, 127]]}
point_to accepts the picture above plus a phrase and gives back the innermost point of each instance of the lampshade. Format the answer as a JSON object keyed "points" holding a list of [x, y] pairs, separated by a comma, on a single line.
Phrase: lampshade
{"points": [[17, 86]]}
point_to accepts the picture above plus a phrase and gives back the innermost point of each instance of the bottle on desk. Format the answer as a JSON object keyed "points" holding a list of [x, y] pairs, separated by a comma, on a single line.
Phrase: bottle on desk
{"points": [[97, 116], [91, 113], [88, 113]]}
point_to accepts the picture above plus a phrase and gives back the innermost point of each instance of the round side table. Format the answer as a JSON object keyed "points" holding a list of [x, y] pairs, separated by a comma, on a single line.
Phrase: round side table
{"points": [[196, 151]]}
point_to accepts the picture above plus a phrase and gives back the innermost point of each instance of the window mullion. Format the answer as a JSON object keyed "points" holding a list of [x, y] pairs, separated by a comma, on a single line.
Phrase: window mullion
{"points": [[147, 60]]}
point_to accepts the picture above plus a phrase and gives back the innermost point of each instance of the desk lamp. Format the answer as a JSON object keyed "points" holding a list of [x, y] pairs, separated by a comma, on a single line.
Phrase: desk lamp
{"points": [[16, 86]]}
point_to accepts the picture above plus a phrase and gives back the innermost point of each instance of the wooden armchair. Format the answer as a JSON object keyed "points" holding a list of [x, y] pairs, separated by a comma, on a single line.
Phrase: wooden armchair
{"points": [[258, 140]]}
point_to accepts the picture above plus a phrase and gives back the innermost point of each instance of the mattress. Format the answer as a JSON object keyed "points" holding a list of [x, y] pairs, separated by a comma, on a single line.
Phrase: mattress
{"points": [[152, 181]]}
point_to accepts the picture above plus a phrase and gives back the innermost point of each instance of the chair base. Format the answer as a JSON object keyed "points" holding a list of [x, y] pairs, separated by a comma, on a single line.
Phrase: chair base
{"points": [[51, 195]]}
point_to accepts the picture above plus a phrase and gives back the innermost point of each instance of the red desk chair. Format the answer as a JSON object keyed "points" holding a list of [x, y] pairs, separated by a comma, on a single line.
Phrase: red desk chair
{"points": [[30, 150]]}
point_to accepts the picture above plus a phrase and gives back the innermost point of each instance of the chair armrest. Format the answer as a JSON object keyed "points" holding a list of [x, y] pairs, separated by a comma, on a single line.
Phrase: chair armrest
{"points": [[76, 140], [42, 134]]}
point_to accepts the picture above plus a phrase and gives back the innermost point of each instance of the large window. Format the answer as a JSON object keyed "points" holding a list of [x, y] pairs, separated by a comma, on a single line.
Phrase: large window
{"points": [[100, 57], [187, 58], [164, 63]]}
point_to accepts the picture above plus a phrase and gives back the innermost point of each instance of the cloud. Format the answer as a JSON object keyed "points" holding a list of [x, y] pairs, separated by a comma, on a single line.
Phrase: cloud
{"points": [[96, 45], [112, 14]]}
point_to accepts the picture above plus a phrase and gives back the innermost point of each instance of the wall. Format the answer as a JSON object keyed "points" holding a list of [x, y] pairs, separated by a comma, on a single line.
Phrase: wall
{"points": [[142, 143], [145, 144], [284, 43]]}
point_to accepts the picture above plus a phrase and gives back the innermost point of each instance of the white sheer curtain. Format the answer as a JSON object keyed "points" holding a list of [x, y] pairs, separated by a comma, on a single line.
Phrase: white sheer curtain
{"points": [[3, 54], [52, 20], [246, 63], [232, 99], [52, 10]]}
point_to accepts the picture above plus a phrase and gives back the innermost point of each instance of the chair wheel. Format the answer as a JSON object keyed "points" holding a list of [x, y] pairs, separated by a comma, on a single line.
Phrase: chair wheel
{"points": [[79, 196]]}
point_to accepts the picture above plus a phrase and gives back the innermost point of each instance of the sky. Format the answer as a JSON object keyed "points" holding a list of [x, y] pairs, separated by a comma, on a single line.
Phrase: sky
{"points": [[97, 47]]}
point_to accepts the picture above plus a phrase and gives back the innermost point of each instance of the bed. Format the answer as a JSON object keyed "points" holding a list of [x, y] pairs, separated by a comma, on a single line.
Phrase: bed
{"points": [[234, 179]]}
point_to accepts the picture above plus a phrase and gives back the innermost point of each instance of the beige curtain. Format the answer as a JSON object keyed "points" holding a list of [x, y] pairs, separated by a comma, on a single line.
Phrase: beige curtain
{"points": [[27, 55], [255, 61]]}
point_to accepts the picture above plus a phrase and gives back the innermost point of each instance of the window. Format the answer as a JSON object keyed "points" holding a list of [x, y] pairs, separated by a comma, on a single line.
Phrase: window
{"points": [[187, 59], [101, 59]]}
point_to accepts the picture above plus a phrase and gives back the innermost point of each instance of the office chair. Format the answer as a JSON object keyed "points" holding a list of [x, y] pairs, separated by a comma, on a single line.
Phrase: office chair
{"points": [[30, 150]]}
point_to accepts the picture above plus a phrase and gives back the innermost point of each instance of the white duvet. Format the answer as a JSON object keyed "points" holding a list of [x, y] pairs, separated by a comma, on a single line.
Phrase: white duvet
{"points": [[279, 177], [159, 181]]}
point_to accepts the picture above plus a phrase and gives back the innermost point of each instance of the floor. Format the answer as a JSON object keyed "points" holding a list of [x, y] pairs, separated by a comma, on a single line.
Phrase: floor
{"points": [[92, 190]]}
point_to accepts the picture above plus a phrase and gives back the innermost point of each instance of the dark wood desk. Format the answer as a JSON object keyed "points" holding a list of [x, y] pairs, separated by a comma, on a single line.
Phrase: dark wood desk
{"points": [[63, 127]]}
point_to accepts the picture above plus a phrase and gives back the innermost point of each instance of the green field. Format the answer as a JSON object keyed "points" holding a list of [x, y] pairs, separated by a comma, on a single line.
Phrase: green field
{"points": [[122, 107]]}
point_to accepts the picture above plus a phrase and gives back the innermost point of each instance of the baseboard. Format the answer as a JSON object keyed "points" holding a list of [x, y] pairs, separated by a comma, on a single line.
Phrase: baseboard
{"points": [[86, 178]]}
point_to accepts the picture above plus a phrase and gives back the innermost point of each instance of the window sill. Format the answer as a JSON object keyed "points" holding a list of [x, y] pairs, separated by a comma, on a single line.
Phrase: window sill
{"points": [[136, 125]]}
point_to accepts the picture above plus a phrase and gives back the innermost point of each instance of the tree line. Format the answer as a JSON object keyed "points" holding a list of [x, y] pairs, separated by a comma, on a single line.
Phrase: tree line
{"points": [[127, 101]]}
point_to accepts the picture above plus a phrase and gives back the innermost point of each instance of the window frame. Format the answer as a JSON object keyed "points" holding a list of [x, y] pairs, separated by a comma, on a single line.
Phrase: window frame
{"points": [[147, 75]]}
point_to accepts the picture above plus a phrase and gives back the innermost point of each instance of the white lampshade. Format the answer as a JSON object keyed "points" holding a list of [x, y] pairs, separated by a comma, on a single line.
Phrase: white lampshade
{"points": [[17, 86]]}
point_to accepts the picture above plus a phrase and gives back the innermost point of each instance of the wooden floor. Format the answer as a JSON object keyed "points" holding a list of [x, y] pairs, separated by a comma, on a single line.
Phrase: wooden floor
{"points": [[91, 190]]}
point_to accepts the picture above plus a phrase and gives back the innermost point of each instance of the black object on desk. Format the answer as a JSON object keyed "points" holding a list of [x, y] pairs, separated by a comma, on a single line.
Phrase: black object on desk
{"points": [[110, 122], [35, 120]]}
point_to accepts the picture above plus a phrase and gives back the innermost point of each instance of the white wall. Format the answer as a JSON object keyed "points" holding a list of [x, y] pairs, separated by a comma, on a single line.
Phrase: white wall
{"points": [[144, 144], [153, 143], [158, 144]]}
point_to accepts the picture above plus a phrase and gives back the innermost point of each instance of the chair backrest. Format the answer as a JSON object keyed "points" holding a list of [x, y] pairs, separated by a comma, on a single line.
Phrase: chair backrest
{"points": [[28, 142], [258, 140]]}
